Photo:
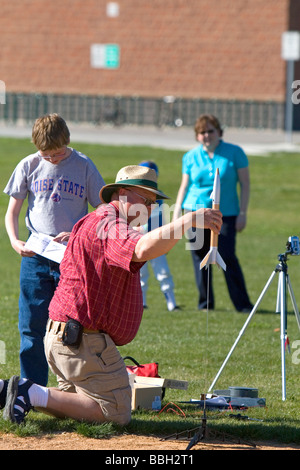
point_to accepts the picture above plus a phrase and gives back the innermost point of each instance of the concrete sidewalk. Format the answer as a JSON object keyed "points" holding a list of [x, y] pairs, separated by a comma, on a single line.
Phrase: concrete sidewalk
{"points": [[254, 142]]}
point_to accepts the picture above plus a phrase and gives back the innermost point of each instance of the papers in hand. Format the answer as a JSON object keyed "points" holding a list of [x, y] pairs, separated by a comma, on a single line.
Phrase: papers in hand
{"points": [[45, 245]]}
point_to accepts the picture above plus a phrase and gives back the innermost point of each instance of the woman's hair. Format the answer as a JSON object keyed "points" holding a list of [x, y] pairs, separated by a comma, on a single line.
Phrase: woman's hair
{"points": [[204, 120], [50, 132]]}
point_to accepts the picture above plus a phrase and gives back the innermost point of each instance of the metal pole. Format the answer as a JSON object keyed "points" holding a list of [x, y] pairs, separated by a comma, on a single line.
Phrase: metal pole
{"points": [[283, 328], [289, 104]]}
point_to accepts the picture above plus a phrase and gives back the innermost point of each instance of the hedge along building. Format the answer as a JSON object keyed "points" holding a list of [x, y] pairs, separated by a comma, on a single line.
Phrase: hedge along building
{"points": [[146, 61]]}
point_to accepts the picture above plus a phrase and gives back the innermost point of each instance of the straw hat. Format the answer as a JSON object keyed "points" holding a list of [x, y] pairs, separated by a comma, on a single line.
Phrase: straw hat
{"points": [[133, 175]]}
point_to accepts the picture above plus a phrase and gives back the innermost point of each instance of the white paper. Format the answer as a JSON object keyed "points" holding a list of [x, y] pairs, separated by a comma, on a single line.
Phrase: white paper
{"points": [[45, 245]]}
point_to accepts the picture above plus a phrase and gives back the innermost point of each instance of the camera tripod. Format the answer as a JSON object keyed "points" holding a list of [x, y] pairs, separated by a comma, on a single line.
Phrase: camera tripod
{"points": [[281, 307]]}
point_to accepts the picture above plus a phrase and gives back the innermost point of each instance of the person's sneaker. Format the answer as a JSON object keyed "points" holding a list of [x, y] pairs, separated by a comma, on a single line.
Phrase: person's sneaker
{"points": [[174, 308], [17, 400], [3, 394], [170, 298]]}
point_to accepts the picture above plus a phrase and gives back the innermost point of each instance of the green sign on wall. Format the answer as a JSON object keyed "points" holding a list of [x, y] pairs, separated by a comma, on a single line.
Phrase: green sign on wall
{"points": [[105, 56]]}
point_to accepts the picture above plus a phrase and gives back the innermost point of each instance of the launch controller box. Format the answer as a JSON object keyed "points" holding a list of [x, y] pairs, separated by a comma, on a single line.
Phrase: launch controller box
{"points": [[145, 389]]}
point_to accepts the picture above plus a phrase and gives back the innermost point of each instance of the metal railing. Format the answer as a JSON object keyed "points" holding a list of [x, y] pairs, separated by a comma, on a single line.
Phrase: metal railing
{"points": [[134, 110]]}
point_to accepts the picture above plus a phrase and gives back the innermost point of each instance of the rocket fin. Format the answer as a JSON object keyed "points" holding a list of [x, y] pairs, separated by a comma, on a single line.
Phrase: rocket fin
{"points": [[209, 259], [213, 257], [220, 262]]}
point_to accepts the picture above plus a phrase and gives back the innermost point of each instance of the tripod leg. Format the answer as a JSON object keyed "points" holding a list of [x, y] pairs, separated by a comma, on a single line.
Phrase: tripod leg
{"points": [[296, 311], [283, 327], [243, 329], [285, 280]]}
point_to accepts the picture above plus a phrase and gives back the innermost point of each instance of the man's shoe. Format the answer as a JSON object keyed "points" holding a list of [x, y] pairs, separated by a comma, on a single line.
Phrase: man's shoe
{"points": [[3, 394], [17, 400]]}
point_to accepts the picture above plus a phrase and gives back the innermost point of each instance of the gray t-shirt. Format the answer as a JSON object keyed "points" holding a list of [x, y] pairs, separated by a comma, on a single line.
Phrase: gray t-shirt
{"points": [[58, 195]]}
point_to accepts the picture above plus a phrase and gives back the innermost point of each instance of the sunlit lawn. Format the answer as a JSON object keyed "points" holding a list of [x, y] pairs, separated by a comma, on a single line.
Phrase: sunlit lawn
{"points": [[188, 344]]}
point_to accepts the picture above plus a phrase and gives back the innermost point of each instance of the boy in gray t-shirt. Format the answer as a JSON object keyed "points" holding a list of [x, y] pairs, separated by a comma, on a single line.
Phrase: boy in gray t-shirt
{"points": [[59, 183]]}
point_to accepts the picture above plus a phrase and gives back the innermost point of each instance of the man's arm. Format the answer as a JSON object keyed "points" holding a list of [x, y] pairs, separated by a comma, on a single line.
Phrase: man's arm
{"points": [[163, 239]]}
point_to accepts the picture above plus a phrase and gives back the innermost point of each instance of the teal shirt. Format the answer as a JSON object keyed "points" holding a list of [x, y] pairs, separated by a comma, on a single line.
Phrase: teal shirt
{"points": [[229, 158]]}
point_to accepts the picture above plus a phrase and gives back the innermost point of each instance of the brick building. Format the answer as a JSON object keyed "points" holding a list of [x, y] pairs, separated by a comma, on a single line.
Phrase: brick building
{"points": [[86, 58]]}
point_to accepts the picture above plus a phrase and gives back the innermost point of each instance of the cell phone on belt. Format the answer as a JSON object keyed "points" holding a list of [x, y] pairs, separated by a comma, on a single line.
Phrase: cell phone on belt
{"points": [[72, 334]]}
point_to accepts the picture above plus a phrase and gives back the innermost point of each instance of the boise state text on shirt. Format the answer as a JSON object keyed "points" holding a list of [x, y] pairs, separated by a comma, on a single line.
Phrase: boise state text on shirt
{"points": [[62, 185]]}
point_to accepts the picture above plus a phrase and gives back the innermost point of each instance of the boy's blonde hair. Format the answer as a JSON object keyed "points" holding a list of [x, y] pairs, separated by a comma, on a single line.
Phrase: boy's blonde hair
{"points": [[50, 132]]}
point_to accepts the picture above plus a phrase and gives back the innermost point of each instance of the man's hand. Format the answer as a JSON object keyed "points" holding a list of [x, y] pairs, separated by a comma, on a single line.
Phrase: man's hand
{"points": [[62, 237], [208, 218]]}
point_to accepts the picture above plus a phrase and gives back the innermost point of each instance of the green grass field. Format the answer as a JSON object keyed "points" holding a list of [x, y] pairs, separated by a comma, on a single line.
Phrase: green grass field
{"points": [[188, 344]]}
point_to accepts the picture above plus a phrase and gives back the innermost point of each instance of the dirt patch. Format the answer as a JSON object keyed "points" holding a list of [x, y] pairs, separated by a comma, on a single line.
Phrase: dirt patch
{"points": [[72, 441]]}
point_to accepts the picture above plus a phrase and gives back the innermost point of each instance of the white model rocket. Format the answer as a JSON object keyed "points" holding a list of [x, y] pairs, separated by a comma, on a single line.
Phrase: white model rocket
{"points": [[213, 256]]}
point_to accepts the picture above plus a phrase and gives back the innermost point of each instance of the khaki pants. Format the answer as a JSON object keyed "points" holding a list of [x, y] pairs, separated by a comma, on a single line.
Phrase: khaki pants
{"points": [[95, 369]]}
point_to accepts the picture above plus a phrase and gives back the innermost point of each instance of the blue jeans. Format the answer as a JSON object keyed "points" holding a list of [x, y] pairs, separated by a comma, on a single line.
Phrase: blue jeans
{"points": [[38, 280]]}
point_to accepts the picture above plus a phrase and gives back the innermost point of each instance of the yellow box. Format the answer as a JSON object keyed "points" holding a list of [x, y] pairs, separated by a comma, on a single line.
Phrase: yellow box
{"points": [[143, 396]]}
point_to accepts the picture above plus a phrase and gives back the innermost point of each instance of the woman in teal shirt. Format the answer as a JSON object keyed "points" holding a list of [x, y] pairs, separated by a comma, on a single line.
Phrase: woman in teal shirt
{"points": [[198, 171]]}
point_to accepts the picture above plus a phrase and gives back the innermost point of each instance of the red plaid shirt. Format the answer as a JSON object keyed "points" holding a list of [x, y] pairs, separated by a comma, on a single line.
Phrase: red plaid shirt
{"points": [[99, 284]]}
